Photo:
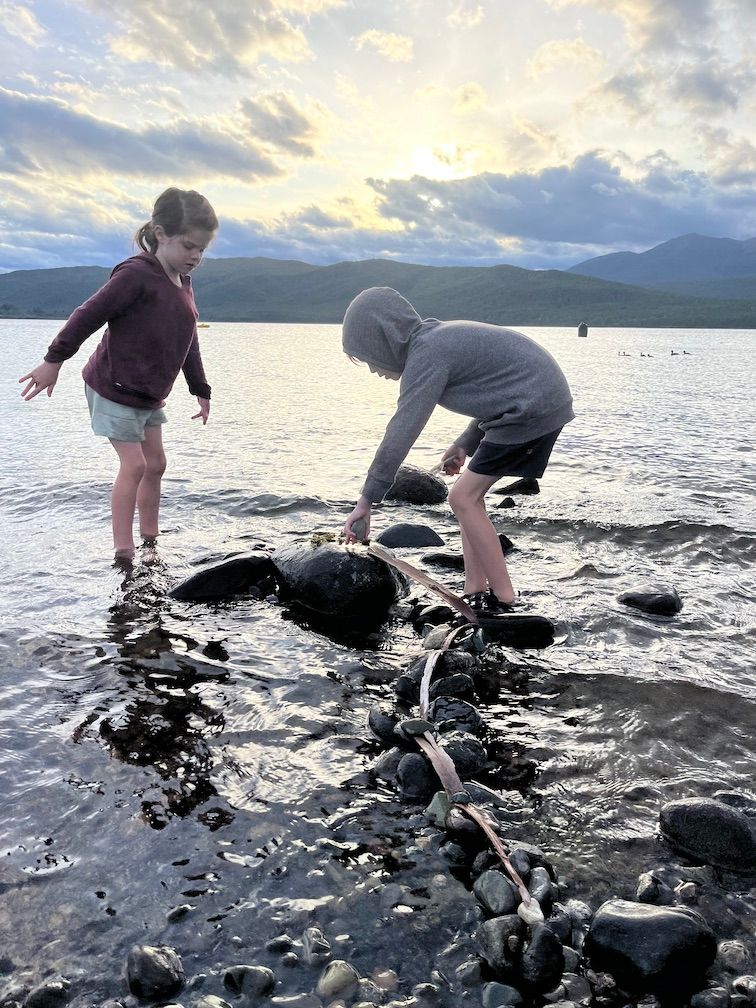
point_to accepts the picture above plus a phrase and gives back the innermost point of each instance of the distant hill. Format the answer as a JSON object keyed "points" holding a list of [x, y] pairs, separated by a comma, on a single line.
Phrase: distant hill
{"points": [[690, 264], [276, 290]]}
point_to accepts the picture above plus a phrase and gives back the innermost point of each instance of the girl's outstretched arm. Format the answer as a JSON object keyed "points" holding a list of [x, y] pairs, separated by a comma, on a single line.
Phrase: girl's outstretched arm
{"points": [[204, 411], [43, 376]]}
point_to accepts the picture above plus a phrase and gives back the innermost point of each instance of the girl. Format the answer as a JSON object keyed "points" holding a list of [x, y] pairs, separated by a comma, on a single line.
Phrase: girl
{"points": [[512, 388], [151, 335]]}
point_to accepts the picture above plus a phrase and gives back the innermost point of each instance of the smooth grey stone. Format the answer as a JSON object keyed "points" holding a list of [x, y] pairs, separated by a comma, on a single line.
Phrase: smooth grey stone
{"points": [[449, 714], [497, 995], [416, 780], [711, 997], [744, 988], [315, 946], [382, 720], [572, 959], [338, 979], [281, 943], [711, 832], [438, 808], [51, 994], [652, 889], [254, 981], [469, 972], [501, 940], [445, 559], [496, 893], [337, 582], [211, 1001], [540, 888], [734, 955], [417, 486], [178, 912], [296, 1001], [237, 576], [154, 972], [560, 922], [521, 864], [576, 987], [454, 853], [542, 962], [433, 615], [387, 765], [650, 948], [405, 534], [466, 752], [664, 602], [456, 685], [742, 800]]}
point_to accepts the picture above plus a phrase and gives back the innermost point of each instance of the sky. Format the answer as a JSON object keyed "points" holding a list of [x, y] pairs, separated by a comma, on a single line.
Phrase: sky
{"points": [[539, 133]]}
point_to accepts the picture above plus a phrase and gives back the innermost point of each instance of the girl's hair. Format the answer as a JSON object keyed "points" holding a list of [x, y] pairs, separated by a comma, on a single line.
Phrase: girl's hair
{"points": [[176, 211]]}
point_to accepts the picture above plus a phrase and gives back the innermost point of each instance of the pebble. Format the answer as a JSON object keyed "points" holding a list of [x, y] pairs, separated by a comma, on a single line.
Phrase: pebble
{"points": [[254, 981], [315, 947], [711, 997], [211, 1001], [734, 956], [337, 979], [497, 995], [154, 973], [496, 893]]}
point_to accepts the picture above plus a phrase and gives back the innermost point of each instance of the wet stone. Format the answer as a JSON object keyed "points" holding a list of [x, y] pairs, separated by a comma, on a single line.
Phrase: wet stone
{"points": [[415, 778], [52, 994], [662, 602], [433, 615], [469, 973], [496, 893], [711, 832], [449, 714], [211, 1001], [649, 948], [497, 995], [743, 994], [382, 719], [338, 979], [315, 946], [500, 941], [560, 922], [542, 961], [734, 956], [252, 981], [154, 973], [296, 1001], [405, 534], [652, 889], [540, 888], [387, 765], [527, 486], [417, 486], [457, 685], [711, 997], [435, 638], [455, 854], [466, 752]]}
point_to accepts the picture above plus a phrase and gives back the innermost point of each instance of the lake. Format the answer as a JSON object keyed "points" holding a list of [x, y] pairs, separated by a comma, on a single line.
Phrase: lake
{"points": [[159, 755]]}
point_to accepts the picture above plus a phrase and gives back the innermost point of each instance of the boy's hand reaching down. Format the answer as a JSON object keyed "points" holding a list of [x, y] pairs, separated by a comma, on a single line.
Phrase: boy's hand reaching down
{"points": [[452, 460]]}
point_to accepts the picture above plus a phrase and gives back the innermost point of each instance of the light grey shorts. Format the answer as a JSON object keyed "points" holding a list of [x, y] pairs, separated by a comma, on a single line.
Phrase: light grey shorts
{"points": [[120, 423]]}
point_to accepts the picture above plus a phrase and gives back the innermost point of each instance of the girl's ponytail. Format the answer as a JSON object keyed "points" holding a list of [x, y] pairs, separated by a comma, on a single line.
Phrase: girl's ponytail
{"points": [[145, 238]]}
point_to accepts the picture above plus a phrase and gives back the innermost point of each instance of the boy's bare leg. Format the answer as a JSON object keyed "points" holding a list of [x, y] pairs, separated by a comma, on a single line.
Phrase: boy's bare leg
{"points": [[484, 561], [124, 495], [148, 494]]}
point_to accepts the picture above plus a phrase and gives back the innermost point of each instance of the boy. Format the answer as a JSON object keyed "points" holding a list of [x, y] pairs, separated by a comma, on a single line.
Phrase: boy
{"points": [[512, 388]]}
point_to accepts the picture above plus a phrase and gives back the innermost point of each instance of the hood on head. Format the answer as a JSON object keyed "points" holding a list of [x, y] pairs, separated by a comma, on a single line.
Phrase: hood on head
{"points": [[377, 328]]}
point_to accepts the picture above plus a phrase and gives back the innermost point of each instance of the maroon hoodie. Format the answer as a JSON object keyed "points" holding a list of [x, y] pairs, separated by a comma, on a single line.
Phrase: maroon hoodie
{"points": [[151, 335]]}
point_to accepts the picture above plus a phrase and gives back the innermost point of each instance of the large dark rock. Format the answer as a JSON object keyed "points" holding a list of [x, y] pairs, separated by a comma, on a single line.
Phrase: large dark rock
{"points": [[661, 602], [542, 962], [154, 973], [407, 534], [527, 486], [251, 573], [501, 941], [518, 630], [337, 581], [416, 486], [664, 950], [711, 832]]}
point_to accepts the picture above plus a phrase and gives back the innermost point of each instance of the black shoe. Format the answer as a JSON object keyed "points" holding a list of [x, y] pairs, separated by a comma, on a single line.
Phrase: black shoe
{"points": [[478, 601], [494, 606]]}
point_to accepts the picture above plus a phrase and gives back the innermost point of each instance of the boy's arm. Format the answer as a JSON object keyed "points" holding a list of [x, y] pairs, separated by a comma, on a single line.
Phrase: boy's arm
{"points": [[423, 383]]}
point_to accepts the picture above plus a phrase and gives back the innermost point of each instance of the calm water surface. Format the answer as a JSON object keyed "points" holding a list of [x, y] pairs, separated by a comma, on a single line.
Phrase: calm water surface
{"points": [[157, 754]]}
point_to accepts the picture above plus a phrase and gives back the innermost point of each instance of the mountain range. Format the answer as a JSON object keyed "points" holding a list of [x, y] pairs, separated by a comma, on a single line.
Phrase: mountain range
{"points": [[653, 288]]}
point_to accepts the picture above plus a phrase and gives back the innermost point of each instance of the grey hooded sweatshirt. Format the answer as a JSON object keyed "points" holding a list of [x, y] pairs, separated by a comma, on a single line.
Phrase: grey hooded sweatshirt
{"points": [[512, 387]]}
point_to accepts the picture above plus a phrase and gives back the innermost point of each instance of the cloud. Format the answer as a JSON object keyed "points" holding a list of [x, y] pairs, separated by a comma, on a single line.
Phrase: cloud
{"points": [[223, 37], [45, 134], [553, 55], [664, 25], [468, 98], [396, 48], [21, 23], [466, 16], [709, 89], [590, 202], [277, 119]]}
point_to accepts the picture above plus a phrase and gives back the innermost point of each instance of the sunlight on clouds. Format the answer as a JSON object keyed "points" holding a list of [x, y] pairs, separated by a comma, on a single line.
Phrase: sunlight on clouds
{"points": [[468, 98], [559, 54], [446, 161], [20, 22], [396, 48], [466, 16]]}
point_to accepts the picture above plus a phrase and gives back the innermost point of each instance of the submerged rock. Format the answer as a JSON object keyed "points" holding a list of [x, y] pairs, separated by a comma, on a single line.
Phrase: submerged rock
{"points": [[154, 972], [337, 581], [407, 534], [649, 948], [661, 602], [417, 486], [527, 486], [240, 575], [711, 832]]}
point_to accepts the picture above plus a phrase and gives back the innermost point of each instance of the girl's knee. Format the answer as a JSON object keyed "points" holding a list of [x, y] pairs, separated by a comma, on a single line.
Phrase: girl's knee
{"points": [[156, 465]]}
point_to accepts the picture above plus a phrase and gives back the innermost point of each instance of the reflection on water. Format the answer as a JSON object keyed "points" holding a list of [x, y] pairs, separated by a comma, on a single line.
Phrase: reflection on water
{"points": [[159, 755]]}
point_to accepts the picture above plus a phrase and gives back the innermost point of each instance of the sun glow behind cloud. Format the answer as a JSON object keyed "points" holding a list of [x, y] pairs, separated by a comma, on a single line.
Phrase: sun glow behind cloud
{"points": [[538, 132]]}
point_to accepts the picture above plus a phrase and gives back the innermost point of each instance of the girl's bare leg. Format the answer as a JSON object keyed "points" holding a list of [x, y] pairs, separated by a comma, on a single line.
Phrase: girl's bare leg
{"points": [[148, 495], [124, 494], [485, 565]]}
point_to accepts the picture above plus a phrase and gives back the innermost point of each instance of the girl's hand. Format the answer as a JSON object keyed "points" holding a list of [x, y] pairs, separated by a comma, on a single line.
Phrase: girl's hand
{"points": [[452, 460], [361, 511], [204, 405], [43, 376]]}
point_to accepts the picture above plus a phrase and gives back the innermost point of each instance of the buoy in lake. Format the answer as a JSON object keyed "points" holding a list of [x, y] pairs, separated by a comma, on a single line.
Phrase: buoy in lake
{"points": [[583, 329]]}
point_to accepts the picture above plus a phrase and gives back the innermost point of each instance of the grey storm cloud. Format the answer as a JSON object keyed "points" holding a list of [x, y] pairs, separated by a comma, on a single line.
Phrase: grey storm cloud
{"points": [[275, 118], [46, 134], [588, 202]]}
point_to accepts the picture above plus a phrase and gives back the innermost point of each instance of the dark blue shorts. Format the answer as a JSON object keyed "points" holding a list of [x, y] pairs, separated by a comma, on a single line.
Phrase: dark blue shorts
{"points": [[528, 459]]}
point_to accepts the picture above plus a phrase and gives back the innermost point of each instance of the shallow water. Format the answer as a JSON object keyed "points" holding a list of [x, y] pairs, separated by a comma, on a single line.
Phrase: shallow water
{"points": [[158, 754]]}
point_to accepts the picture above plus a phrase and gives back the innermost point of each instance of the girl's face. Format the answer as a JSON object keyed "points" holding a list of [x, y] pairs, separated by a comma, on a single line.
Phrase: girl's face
{"points": [[388, 375], [181, 253]]}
